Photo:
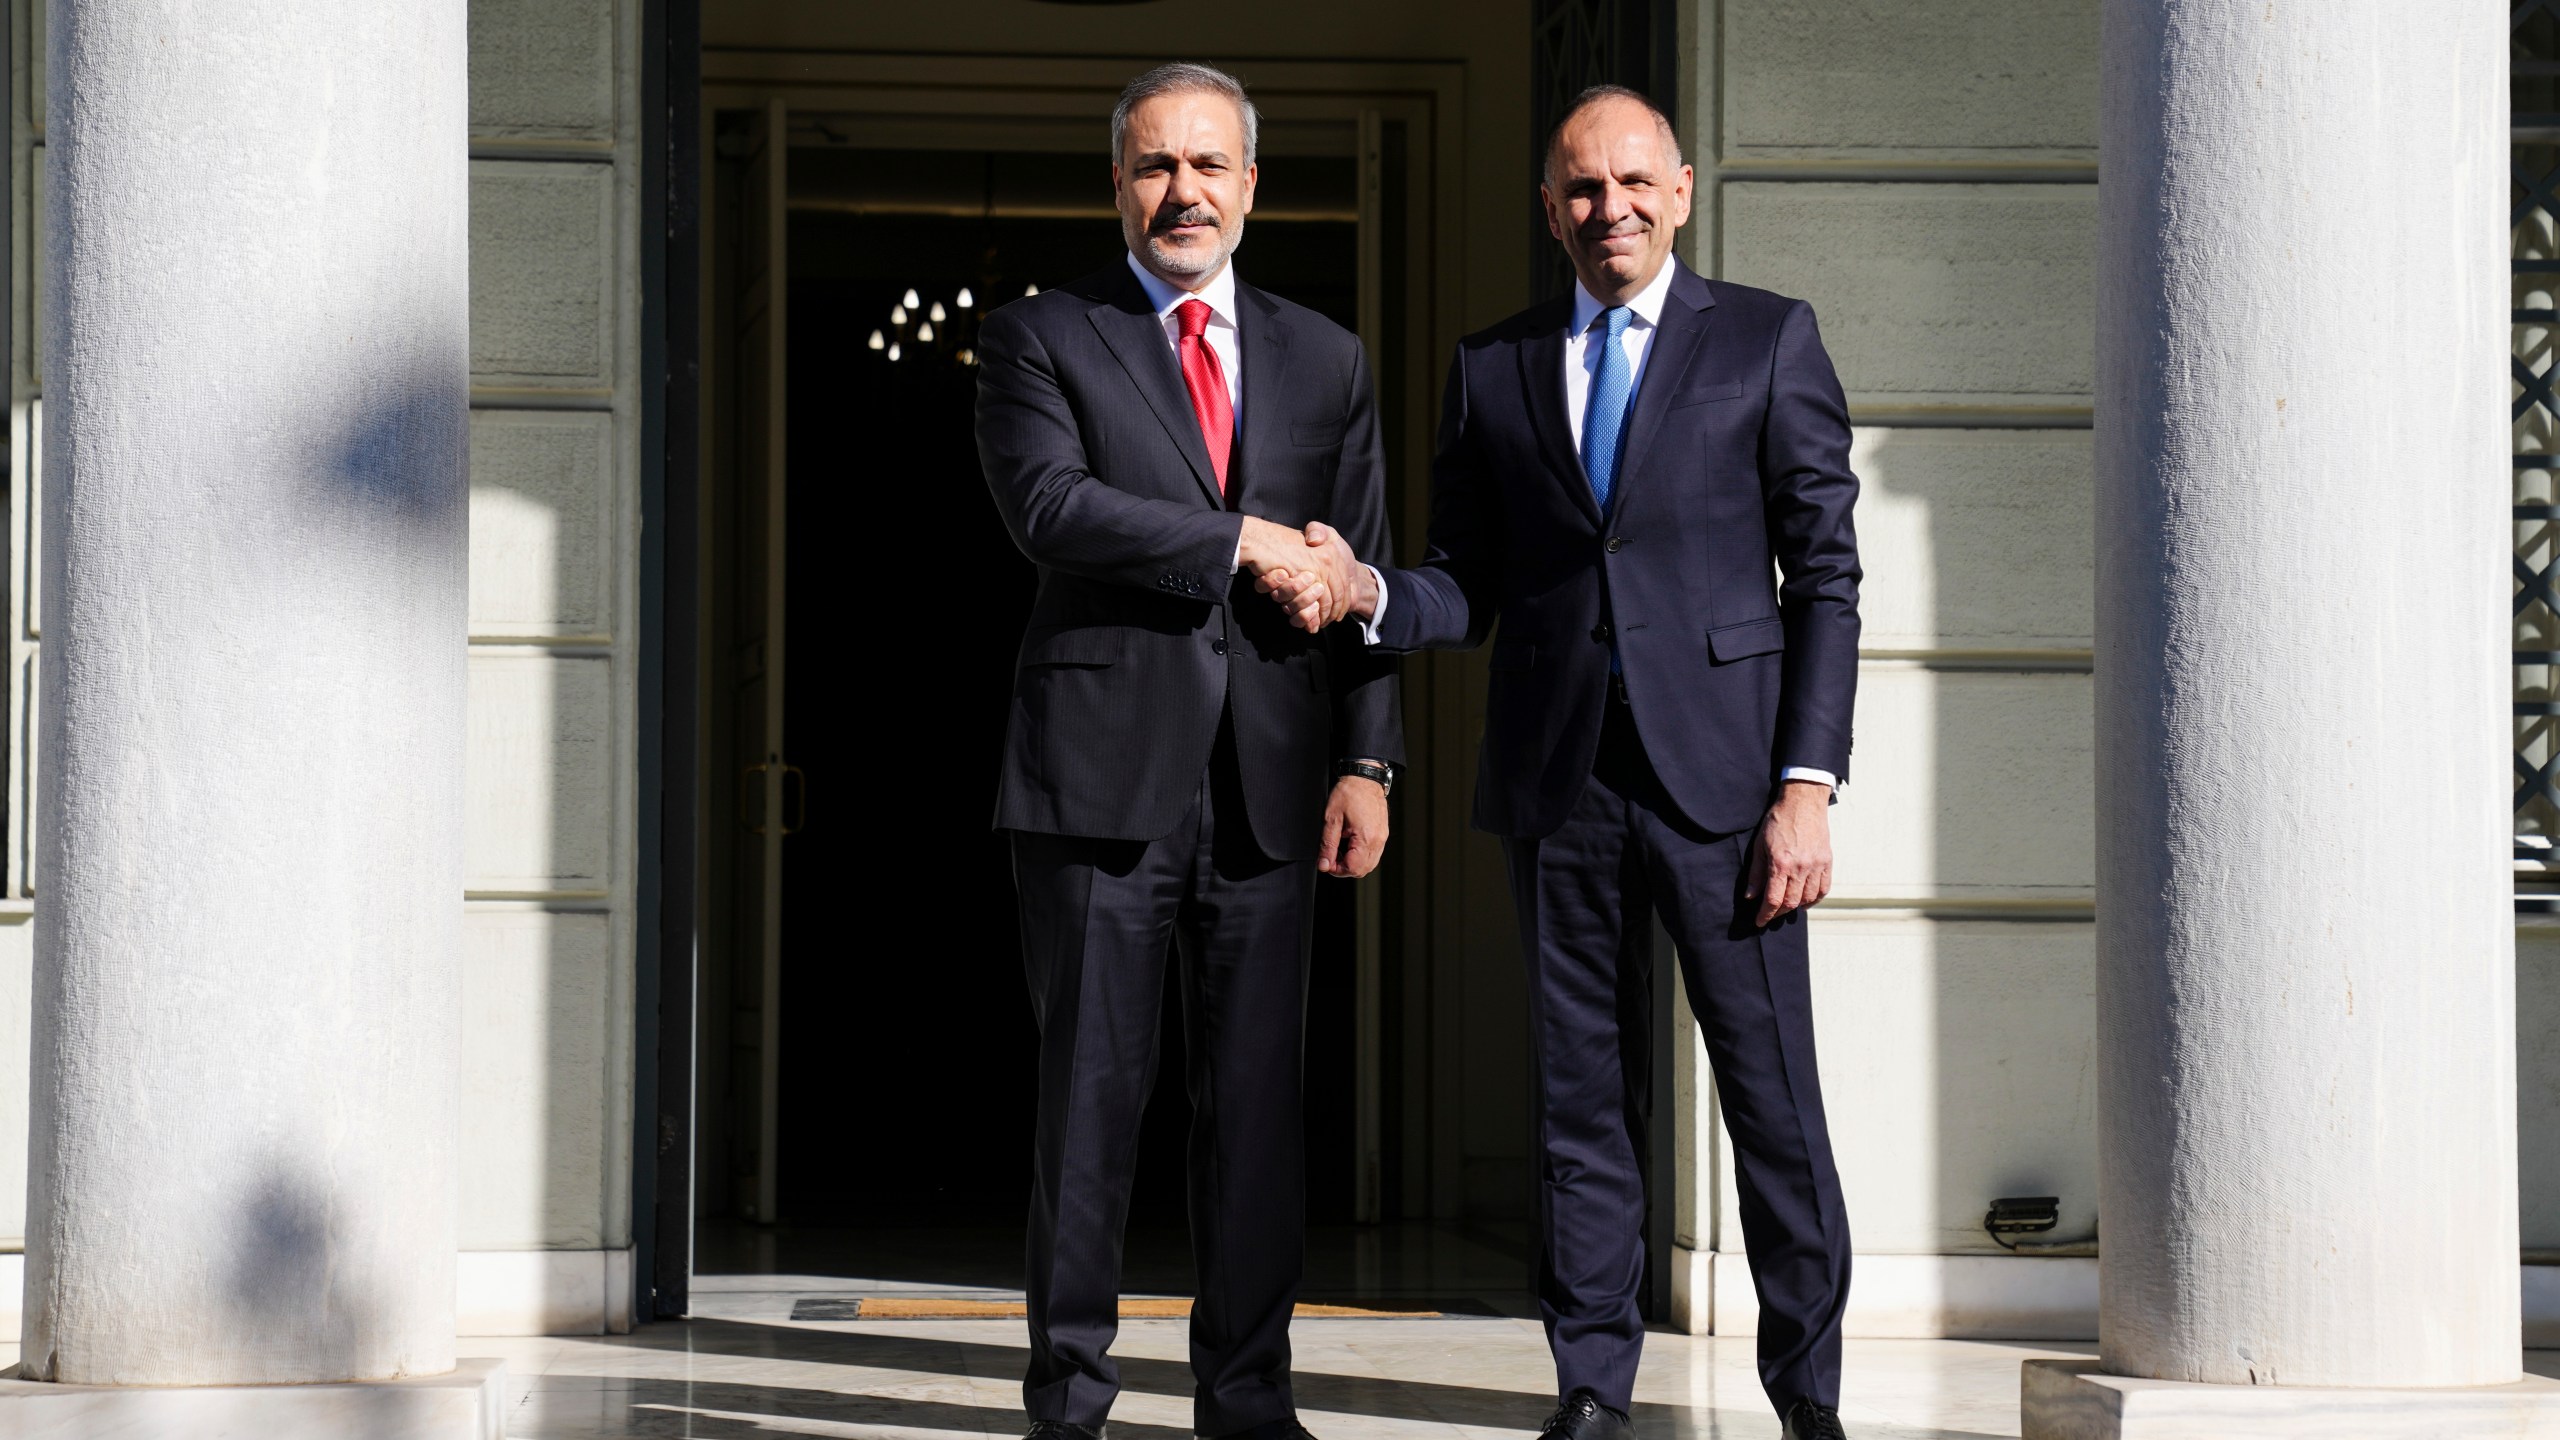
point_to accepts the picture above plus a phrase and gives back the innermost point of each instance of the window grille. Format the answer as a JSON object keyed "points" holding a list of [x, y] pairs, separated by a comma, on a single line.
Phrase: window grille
{"points": [[2534, 27]]}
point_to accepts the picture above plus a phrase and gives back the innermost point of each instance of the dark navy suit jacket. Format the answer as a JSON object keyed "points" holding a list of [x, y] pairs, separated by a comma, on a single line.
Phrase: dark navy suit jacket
{"points": [[1140, 637], [1735, 474]]}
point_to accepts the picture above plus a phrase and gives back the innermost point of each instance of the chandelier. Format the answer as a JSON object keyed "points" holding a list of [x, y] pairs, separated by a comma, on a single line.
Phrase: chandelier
{"points": [[923, 328]]}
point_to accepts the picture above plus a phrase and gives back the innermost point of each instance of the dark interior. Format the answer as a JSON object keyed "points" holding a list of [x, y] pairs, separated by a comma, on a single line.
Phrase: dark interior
{"points": [[907, 1043]]}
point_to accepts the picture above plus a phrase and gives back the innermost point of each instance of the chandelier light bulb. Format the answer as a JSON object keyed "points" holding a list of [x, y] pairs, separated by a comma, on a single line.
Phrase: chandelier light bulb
{"points": [[910, 300], [967, 356], [935, 314], [1030, 290], [964, 300], [924, 331], [876, 341], [897, 314], [893, 350]]}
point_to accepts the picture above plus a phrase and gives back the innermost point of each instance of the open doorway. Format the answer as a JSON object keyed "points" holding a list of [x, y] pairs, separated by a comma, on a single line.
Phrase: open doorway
{"points": [[866, 1063], [897, 709]]}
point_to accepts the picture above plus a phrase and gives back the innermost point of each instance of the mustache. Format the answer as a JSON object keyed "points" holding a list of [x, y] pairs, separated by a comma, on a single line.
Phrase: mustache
{"points": [[1165, 221]]}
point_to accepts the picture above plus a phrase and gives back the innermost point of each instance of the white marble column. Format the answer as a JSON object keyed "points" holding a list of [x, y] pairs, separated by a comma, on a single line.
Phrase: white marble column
{"points": [[2306, 1021], [249, 852]]}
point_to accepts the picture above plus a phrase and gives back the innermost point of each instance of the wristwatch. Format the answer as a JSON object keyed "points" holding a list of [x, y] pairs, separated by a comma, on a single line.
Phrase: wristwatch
{"points": [[1385, 775]]}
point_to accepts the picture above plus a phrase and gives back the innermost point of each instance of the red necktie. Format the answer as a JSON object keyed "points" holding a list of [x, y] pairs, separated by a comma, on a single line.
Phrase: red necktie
{"points": [[1207, 382]]}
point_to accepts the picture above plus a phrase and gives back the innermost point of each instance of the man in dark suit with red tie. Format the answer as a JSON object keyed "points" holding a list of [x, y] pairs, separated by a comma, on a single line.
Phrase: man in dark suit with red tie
{"points": [[1619, 474], [1181, 763]]}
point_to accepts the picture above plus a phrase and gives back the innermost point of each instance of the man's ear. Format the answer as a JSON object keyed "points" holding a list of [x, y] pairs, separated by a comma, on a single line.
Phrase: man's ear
{"points": [[1252, 173], [1547, 208]]}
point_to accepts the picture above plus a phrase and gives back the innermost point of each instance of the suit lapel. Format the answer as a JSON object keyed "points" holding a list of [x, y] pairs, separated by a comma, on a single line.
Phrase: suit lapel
{"points": [[1264, 343], [1542, 378], [1676, 343], [1128, 325]]}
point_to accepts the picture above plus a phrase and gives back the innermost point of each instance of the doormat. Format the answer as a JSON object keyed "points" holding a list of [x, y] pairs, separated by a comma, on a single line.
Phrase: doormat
{"points": [[936, 1307]]}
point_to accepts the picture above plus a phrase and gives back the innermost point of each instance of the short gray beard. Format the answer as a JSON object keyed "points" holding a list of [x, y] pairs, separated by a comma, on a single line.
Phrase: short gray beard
{"points": [[1188, 262]]}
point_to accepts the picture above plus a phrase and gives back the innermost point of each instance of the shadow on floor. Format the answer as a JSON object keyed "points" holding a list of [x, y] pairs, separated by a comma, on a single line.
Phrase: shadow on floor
{"points": [[584, 1406]]}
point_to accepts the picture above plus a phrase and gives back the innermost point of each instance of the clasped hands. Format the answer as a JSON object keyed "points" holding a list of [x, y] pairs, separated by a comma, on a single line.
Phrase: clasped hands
{"points": [[1315, 578], [1311, 574]]}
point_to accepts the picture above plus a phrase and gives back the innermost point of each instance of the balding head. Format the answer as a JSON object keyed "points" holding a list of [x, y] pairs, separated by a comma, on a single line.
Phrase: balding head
{"points": [[1619, 107], [1616, 191]]}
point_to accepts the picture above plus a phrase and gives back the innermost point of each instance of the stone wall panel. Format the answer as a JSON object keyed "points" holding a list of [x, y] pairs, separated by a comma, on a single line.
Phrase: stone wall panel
{"points": [[1977, 79], [537, 991], [540, 774], [543, 275], [1968, 785], [542, 530], [1932, 296], [1956, 1061], [1974, 539], [542, 69]]}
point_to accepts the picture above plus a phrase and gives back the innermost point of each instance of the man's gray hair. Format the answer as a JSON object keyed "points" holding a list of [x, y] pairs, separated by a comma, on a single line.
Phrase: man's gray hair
{"points": [[1180, 75]]}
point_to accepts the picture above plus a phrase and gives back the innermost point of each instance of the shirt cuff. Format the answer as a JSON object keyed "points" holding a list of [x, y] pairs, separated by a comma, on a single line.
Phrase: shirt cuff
{"points": [[1377, 612], [1807, 772], [1235, 562]]}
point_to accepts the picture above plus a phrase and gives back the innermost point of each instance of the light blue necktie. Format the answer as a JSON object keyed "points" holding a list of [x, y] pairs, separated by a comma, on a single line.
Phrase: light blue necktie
{"points": [[1604, 419], [1604, 422]]}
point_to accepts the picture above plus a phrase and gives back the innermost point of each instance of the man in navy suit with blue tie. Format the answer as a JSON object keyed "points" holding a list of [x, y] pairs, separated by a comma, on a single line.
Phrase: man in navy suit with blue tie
{"points": [[1618, 476]]}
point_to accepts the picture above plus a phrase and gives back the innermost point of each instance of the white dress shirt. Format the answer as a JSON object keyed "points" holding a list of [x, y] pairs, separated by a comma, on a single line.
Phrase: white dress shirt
{"points": [[1581, 362]]}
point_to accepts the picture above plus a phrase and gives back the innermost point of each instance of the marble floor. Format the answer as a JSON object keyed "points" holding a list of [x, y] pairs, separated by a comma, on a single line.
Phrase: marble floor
{"points": [[743, 1369], [1356, 1380]]}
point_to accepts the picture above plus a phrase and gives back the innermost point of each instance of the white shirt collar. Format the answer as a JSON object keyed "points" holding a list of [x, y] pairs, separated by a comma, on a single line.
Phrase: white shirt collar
{"points": [[1647, 303], [1219, 294]]}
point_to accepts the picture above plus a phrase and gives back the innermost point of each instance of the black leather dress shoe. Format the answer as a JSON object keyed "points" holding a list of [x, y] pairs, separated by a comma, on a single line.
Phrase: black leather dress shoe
{"points": [[1808, 1421], [1061, 1430], [1583, 1417]]}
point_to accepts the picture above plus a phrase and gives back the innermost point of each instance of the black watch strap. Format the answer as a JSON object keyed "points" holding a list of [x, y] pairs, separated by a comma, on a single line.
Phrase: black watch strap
{"points": [[1385, 775]]}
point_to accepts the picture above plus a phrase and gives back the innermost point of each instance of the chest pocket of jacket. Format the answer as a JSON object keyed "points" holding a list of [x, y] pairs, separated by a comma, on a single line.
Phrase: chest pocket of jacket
{"points": [[1709, 394]]}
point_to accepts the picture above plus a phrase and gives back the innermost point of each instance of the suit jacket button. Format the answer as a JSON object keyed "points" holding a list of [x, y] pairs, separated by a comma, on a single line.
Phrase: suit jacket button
{"points": [[1614, 543], [1600, 632], [1217, 647]]}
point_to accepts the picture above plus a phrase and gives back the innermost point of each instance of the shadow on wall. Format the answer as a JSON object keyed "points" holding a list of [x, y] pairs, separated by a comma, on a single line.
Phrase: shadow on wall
{"points": [[373, 459], [539, 1151], [1976, 786], [288, 1249]]}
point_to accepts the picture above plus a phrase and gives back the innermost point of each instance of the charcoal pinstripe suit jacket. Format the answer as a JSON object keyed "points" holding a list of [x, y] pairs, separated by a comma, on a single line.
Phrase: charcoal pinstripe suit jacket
{"points": [[1140, 636]]}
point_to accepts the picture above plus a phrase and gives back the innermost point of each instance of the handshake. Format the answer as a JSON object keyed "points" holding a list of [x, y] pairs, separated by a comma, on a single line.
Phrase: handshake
{"points": [[1311, 574]]}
